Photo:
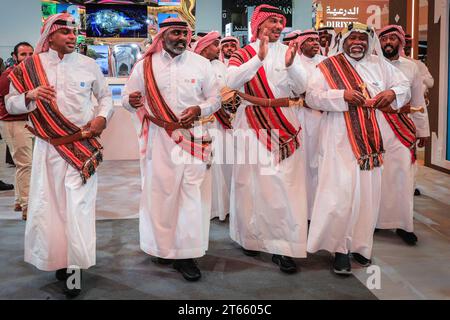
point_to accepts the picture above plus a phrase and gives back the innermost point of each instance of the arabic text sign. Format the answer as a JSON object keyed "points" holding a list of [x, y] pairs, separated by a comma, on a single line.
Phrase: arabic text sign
{"points": [[339, 13]]}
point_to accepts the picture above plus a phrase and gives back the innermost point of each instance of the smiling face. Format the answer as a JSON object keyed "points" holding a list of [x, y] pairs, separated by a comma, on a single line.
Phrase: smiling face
{"points": [[356, 45], [273, 26], [175, 41], [63, 40], [391, 45]]}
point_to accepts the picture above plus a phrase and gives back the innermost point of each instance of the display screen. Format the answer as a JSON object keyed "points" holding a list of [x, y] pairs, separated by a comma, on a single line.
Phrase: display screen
{"points": [[116, 91], [169, 2], [123, 21], [125, 57], [101, 55]]}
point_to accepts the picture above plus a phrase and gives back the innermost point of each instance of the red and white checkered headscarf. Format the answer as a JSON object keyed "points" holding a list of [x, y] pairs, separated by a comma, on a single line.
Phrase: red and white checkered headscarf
{"points": [[230, 39], [51, 25], [291, 36], [393, 29], [261, 14], [206, 41], [168, 24], [307, 34]]}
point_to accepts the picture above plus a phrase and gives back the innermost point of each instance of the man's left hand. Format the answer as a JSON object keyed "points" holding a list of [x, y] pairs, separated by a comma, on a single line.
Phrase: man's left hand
{"points": [[96, 126], [189, 116], [291, 53], [384, 99], [422, 141]]}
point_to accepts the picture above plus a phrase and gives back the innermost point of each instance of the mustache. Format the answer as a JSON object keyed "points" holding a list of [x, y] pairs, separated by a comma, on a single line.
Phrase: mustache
{"points": [[357, 46], [177, 42]]}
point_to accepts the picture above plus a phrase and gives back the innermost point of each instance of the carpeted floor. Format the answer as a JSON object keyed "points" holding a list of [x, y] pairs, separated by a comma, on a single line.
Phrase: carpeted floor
{"points": [[123, 271]]}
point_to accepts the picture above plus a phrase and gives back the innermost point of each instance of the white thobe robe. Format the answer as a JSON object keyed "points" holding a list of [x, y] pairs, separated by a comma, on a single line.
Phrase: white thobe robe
{"points": [[347, 200], [221, 171], [428, 80], [397, 189], [268, 209], [175, 205], [311, 129], [60, 230]]}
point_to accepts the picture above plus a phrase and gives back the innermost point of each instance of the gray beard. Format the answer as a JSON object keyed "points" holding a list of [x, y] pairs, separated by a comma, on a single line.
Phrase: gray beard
{"points": [[357, 55], [171, 47]]}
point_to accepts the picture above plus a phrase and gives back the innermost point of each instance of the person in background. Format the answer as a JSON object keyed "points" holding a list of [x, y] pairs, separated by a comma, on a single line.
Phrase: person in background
{"points": [[17, 137]]}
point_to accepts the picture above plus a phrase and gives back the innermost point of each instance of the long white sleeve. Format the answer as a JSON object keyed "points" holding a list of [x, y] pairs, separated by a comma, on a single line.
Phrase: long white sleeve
{"points": [[15, 102], [417, 99], [103, 94], [298, 76], [211, 93], [396, 81], [134, 83], [237, 77], [319, 96]]}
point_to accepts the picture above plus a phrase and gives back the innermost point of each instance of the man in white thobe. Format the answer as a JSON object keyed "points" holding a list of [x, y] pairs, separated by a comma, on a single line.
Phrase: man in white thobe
{"points": [[268, 209], [60, 231], [396, 209], [347, 200], [308, 42], [209, 48], [428, 83], [175, 204]]}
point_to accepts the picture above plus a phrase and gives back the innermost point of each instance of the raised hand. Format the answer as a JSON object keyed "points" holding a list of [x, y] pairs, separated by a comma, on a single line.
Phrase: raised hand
{"points": [[263, 45], [291, 53], [327, 48], [136, 100]]}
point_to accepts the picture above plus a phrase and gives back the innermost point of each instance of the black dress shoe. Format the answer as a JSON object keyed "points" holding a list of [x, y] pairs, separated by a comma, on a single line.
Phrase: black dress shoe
{"points": [[250, 253], [286, 264], [417, 192], [409, 237], [61, 274], [6, 186], [71, 292], [341, 265], [188, 268], [162, 261], [363, 261]]}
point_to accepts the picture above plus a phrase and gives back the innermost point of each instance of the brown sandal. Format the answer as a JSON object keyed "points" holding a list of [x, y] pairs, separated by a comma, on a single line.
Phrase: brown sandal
{"points": [[24, 215]]}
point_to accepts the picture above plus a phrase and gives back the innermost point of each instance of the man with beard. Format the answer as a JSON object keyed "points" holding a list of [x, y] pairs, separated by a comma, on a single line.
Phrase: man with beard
{"points": [[428, 81], [396, 209], [309, 48], [55, 87], [327, 41], [208, 47], [170, 88], [228, 46], [17, 137], [350, 87], [269, 209]]}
